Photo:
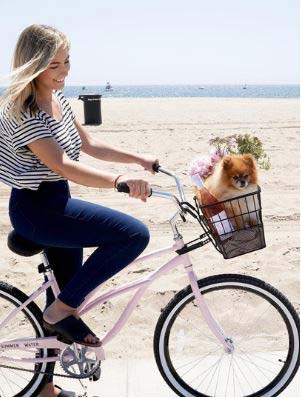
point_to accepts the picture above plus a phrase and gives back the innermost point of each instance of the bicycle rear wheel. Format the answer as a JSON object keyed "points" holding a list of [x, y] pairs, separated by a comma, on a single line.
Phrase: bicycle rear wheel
{"points": [[27, 324], [261, 322]]}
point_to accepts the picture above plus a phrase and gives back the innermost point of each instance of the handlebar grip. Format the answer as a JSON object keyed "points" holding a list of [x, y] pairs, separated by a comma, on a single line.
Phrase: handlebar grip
{"points": [[156, 167], [123, 187]]}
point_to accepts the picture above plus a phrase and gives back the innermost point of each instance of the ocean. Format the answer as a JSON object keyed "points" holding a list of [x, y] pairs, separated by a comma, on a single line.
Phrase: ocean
{"points": [[217, 91]]}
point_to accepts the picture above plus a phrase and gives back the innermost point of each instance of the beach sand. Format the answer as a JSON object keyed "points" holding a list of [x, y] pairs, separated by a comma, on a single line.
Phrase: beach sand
{"points": [[176, 130]]}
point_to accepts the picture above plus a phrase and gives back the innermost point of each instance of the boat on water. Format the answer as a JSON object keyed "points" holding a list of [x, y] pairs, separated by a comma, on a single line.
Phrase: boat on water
{"points": [[244, 87], [108, 87]]}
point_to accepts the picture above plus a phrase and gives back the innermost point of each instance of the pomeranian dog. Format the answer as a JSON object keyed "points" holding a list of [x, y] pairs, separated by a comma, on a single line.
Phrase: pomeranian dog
{"points": [[234, 176]]}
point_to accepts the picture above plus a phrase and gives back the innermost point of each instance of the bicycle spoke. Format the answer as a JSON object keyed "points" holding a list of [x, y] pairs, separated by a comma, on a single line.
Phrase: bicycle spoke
{"points": [[190, 362], [258, 317], [197, 363], [228, 374], [244, 376], [251, 372], [218, 376], [275, 363], [216, 368], [2, 392], [260, 368], [18, 375], [233, 378], [214, 340], [208, 370], [237, 379], [9, 380]]}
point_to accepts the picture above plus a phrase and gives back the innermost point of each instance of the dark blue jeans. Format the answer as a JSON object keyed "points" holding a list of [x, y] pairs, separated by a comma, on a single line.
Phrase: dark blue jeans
{"points": [[50, 216]]}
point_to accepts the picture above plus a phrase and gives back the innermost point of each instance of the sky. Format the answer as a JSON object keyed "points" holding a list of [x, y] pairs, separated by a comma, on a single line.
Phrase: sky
{"points": [[165, 41]]}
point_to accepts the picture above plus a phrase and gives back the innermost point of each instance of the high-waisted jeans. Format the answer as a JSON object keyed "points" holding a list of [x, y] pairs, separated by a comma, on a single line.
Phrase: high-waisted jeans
{"points": [[49, 216]]}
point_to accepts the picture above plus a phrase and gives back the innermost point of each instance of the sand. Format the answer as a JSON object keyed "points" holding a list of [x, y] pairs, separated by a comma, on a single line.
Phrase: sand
{"points": [[175, 130]]}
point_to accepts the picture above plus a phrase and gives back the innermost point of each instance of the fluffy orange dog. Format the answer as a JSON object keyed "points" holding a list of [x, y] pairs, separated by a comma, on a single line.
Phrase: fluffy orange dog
{"points": [[235, 176]]}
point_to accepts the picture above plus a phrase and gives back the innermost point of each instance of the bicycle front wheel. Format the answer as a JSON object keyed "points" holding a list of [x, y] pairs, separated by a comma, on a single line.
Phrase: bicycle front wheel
{"points": [[262, 324]]}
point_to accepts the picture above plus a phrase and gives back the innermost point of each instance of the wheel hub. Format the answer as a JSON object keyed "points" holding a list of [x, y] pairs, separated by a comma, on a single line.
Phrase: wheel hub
{"points": [[230, 345]]}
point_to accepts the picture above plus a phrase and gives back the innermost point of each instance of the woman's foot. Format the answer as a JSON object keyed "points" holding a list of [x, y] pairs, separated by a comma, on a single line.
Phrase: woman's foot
{"points": [[51, 390], [58, 311]]}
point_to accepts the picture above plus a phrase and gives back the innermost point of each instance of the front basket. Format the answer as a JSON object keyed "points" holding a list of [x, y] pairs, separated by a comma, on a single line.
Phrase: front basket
{"points": [[237, 228]]}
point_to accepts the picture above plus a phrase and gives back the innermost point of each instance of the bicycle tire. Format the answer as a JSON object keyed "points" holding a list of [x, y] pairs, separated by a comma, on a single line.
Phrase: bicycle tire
{"points": [[215, 283], [35, 317]]}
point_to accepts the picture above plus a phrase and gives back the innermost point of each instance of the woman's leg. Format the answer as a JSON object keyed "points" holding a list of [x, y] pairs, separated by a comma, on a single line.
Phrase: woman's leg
{"points": [[119, 239], [65, 263]]}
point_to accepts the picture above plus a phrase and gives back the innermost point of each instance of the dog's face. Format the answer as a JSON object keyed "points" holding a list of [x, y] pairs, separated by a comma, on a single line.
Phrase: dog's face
{"points": [[239, 171]]}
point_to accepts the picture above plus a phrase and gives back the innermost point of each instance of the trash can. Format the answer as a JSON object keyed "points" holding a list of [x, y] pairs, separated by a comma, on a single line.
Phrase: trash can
{"points": [[92, 108]]}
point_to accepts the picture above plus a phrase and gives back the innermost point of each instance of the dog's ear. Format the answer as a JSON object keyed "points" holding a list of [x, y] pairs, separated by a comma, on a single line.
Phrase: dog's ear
{"points": [[227, 162], [249, 160]]}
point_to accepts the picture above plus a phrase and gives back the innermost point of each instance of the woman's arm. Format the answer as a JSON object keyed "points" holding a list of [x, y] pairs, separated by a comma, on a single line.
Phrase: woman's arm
{"points": [[99, 150], [52, 155]]}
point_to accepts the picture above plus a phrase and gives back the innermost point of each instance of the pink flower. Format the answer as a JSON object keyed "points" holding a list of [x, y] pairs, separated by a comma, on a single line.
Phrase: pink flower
{"points": [[201, 166], [215, 155], [204, 165]]}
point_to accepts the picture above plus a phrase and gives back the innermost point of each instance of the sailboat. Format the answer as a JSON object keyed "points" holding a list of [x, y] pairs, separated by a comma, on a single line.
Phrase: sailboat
{"points": [[109, 87]]}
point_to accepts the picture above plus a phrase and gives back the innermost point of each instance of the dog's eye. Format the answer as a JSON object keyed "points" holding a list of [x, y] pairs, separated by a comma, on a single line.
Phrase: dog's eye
{"points": [[246, 176], [235, 178]]}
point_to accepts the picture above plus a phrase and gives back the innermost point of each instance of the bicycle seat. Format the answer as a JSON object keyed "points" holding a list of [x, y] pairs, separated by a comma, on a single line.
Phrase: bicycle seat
{"points": [[22, 246]]}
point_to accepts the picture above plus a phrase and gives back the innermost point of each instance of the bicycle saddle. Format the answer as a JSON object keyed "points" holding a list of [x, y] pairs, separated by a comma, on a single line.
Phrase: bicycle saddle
{"points": [[22, 246]]}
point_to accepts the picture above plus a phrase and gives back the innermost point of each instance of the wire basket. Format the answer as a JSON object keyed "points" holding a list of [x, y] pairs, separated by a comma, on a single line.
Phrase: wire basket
{"points": [[234, 226]]}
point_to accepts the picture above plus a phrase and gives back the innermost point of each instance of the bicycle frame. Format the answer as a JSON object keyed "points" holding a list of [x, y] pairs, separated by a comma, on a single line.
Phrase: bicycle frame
{"points": [[139, 285]]}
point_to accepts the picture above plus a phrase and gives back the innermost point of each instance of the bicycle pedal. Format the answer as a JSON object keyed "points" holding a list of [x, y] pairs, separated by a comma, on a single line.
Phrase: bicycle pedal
{"points": [[96, 375]]}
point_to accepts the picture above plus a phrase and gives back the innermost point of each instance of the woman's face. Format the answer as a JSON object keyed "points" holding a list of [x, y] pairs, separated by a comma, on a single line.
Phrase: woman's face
{"points": [[54, 76]]}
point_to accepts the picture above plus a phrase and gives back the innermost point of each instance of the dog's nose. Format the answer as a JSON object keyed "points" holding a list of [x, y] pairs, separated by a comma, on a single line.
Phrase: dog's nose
{"points": [[242, 183]]}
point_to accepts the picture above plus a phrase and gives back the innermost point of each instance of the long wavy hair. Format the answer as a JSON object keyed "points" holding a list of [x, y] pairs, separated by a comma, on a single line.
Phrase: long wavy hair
{"points": [[34, 51]]}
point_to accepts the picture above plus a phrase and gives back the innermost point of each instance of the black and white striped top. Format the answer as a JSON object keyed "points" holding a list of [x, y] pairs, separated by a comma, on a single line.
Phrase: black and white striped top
{"points": [[19, 167]]}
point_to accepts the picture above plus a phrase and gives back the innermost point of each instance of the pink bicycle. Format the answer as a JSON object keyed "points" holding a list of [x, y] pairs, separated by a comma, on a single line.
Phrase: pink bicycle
{"points": [[223, 335]]}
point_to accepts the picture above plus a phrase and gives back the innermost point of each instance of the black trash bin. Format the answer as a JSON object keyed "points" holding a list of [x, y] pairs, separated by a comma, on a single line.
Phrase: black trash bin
{"points": [[92, 108]]}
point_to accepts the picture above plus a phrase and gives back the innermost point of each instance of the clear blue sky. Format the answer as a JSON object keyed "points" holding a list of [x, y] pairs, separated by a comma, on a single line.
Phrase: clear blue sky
{"points": [[166, 41]]}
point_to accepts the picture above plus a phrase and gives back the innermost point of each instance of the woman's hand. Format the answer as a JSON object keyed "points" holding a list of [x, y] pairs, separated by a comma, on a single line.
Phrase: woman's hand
{"points": [[147, 163], [139, 189]]}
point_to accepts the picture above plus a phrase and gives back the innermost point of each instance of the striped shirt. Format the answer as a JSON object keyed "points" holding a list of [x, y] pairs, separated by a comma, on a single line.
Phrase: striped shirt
{"points": [[19, 167]]}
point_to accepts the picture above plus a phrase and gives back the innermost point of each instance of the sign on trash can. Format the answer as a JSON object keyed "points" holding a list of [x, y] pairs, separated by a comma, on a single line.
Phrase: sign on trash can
{"points": [[92, 108]]}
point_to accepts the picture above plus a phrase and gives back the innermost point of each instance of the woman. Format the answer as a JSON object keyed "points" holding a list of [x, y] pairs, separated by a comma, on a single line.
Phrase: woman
{"points": [[40, 144]]}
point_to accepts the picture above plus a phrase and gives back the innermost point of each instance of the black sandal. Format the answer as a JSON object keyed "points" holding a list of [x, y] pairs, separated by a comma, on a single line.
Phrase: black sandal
{"points": [[71, 330], [65, 393]]}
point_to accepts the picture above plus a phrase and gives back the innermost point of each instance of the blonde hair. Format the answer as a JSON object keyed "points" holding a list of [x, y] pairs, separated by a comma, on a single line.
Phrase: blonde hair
{"points": [[34, 51]]}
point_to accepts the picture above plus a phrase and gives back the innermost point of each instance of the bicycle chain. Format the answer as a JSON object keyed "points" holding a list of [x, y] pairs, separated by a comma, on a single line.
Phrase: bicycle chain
{"points": [[39, 372]]}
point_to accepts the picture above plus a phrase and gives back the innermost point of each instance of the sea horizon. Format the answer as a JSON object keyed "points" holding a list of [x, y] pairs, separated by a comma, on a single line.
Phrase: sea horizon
{"points": [[185, 90]]}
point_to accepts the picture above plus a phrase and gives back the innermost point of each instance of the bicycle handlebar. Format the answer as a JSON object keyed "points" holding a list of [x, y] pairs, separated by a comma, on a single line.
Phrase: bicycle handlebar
{"points": [[156, 167], [123, 187]]}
